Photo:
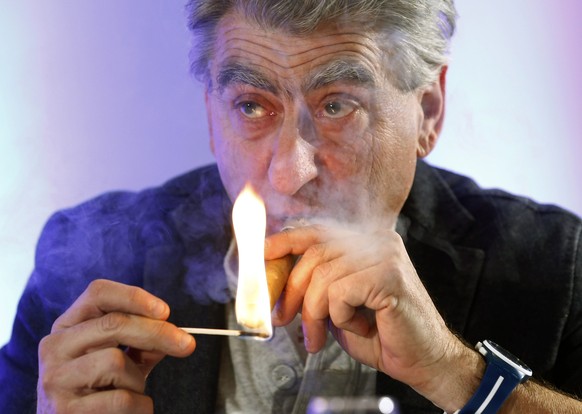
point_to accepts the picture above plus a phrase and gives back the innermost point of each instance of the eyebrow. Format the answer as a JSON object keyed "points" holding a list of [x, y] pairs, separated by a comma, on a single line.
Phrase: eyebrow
{"points": [[348, 71], [236, 73]]}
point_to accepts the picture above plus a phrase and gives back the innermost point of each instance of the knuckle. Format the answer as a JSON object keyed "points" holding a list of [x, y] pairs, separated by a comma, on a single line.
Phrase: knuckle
{"points": [[57, 324], [49, 380], [315, 251], [398, 275], [97, 286], [341, 319], [45, 348], [45, 381], [113, 322], [391, 235], [323, 271], [135, 294], [158, 329], [48, 350], [335, 290], [116, 362], [121, 400]]}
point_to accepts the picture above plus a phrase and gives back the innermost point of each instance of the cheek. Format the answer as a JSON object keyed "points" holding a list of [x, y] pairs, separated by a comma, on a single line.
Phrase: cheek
{"points": [[347, 152], [229, 170], [396, 134], [393, 166], [239, 161], [339, 161]]}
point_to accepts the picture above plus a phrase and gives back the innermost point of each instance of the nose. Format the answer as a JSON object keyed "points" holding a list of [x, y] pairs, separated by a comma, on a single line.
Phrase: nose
{"points": [[293, 160]]}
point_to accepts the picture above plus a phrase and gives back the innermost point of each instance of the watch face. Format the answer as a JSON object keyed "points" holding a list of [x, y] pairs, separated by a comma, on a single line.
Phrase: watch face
{"points": [[507, 357]]}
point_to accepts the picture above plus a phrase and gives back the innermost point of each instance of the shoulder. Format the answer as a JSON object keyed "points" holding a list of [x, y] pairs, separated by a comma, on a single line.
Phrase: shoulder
{"points": [[109, 235], [518, 238], [516, 216], [108, 209], [531, 268]]}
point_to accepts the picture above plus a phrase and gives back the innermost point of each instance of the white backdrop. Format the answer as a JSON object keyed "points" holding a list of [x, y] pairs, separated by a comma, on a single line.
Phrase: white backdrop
{"points": [[96, 96]]}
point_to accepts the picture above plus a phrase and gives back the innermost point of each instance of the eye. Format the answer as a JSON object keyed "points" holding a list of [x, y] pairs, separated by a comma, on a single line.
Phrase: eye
{"points": [[337, 109], [252, 109]]}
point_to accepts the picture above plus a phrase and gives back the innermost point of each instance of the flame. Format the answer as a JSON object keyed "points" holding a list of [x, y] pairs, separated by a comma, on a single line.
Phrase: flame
{"points": [[252, 306]]}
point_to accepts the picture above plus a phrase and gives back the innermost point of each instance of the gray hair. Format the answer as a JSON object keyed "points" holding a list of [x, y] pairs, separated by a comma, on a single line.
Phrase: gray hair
{"points": [[415, 34]]}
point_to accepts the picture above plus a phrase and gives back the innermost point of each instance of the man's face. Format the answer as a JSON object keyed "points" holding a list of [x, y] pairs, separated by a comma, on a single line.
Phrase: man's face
{"points": [[313, 123]]}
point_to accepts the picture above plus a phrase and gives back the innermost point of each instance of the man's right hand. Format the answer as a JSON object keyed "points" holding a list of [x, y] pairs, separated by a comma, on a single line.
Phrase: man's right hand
{"points": [[100, 351]]}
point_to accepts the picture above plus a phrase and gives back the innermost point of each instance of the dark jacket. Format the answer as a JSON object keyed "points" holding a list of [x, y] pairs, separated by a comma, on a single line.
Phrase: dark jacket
{"points": [[497, 266]]}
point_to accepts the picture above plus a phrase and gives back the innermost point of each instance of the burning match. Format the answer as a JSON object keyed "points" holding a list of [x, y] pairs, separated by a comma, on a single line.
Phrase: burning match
{"points": [[252, 296], [277, 273], [260, 283]]}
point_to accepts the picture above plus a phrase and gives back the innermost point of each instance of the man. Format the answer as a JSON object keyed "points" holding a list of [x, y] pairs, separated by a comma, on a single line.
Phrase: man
{"points": [[326, 108]]}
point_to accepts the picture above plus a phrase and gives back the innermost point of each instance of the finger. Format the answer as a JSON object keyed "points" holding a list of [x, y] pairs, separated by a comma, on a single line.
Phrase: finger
{"points": [[359, 323], [362, 289], [104, 296], [145, 360], [314, 332], [300, 279], [363, 348], [106, 368], [336, 265], [115, 329], [315, 310], [293, 241], [117, 401]]}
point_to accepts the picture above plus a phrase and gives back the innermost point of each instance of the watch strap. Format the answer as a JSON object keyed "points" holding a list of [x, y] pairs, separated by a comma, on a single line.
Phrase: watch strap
{"points": [[495, 387]]}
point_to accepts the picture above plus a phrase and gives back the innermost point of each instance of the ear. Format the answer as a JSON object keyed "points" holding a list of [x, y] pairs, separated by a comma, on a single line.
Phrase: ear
{"points": [[209, 119], [432, 101]]}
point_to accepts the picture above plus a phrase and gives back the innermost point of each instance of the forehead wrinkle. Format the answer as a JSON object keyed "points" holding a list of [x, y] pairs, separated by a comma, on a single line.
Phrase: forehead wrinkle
{"points": [[333, 48], [366, 43], [350, 68], [344, 68], [316, 36]]}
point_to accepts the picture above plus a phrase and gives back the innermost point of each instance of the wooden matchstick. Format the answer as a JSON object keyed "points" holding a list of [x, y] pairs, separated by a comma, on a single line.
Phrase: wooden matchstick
{"points": [[225, 332]]}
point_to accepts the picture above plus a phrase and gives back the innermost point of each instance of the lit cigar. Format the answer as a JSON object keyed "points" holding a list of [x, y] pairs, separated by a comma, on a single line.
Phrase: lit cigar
{"points": [[278, 271]]}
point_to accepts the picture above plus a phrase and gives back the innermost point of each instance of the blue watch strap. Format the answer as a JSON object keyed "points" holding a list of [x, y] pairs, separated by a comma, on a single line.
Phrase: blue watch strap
{"points": [[494, 389]]}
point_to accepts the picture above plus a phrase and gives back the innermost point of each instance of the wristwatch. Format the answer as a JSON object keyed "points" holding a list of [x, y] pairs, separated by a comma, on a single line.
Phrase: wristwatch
{"points": [[504, 372]]}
